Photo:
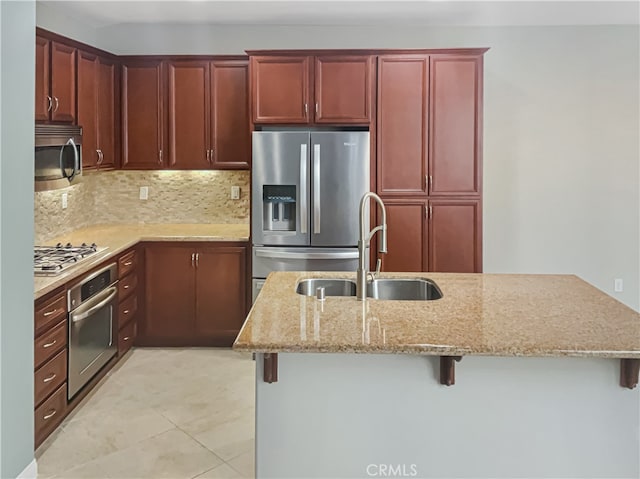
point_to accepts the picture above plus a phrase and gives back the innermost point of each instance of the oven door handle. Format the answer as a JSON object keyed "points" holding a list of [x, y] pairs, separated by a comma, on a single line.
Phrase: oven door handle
{"points": [[110, 292]]}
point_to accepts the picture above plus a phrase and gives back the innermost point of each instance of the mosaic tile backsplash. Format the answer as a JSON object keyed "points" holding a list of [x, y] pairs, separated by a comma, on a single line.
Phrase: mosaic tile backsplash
{"points": [[113, 197]]}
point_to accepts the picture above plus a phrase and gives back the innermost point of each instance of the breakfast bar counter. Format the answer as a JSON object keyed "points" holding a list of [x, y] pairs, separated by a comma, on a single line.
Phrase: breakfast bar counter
{"points": [[536, 392], [479, 314]]}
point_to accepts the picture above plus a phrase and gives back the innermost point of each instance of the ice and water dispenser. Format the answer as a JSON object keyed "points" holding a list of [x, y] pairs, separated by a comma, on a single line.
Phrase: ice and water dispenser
{"points": [[279, 207]]}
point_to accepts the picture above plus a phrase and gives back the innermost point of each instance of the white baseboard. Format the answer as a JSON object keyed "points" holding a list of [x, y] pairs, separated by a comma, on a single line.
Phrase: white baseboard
{"points": [[30, 472]]}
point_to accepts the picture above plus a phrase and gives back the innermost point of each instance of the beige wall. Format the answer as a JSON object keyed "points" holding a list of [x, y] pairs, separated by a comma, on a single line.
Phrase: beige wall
{"points": [[113, 197]]}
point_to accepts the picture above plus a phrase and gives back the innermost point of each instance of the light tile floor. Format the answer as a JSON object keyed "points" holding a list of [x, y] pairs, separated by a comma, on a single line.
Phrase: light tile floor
{"points": [[174, 413]]}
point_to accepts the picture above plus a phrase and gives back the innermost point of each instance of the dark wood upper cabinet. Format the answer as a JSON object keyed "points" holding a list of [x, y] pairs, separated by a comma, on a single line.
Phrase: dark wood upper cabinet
{"points": [[332, 89], [188, 115], [88, 107], [43, 100], [407, 236], [343, 89], [63, 83], [455, 236], [230, 125], [221, 292], [143, 115], [55, 81], [403, 100], [106, 112], [280, 89], [455, 124], [96, 110]]}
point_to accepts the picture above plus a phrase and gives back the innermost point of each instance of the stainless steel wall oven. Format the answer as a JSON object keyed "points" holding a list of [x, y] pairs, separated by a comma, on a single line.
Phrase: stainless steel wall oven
{"points": [[92, 307]]}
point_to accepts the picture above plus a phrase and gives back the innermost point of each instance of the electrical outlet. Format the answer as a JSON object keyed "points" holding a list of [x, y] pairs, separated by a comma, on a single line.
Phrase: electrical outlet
{"points": [[235, 192], [618, 285], [144, 192], [65, 200]]}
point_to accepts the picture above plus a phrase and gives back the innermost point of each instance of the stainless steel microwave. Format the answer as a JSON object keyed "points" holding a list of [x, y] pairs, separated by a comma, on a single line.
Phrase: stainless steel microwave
{"points": [[58, 156]]}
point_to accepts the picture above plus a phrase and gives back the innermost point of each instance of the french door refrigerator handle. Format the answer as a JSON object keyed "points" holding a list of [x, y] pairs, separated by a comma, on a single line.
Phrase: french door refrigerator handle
{"points": [[309, 255], [303, 189], [316, 189]]}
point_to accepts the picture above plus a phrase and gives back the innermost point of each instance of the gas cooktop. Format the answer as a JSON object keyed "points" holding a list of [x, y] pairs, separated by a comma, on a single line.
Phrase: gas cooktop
{"points": [[53, 260]]}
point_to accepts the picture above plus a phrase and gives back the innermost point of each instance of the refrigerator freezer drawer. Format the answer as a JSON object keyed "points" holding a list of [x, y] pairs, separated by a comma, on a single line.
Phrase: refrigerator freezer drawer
{"points": [[266, 260]]}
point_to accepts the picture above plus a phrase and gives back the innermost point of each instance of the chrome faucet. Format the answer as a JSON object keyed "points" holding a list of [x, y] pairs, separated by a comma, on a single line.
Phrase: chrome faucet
{"points": [[364, 243]]}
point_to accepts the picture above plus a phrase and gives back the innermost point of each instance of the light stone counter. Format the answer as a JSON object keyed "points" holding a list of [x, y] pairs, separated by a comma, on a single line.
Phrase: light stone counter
{"points": [[479, 314], [118, 238]]}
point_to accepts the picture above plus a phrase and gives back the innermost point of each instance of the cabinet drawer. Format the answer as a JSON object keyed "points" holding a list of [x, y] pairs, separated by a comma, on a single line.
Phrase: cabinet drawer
{"points": [[50, 376], [127, 285], [126, 337], [127, 310], [50, 313], [126, 264], [47, 345], [50, 414]]}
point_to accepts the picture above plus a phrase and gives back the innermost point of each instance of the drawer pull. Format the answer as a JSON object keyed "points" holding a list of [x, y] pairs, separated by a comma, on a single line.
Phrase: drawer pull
{"points": [[126, 311], [128, 263], [49, 313], [126, 286], [50, 378], [126, 338], [50, 415], [48, 345]]}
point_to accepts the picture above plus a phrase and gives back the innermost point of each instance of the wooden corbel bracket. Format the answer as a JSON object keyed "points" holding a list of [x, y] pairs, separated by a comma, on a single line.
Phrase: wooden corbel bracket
{"points": [[270, 371], [629, 372], [448, 369]]}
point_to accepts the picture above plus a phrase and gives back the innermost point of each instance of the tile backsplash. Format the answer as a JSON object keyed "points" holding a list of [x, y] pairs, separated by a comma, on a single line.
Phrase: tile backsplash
{"points": [[113, 197]]}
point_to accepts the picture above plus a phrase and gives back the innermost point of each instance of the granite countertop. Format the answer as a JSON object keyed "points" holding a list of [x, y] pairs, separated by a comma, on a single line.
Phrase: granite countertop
{"points": [[479, 314], [118, 238]]}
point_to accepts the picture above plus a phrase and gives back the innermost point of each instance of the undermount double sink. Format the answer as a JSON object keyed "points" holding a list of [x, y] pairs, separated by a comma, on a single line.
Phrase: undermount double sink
{"points": [[406, 289]]}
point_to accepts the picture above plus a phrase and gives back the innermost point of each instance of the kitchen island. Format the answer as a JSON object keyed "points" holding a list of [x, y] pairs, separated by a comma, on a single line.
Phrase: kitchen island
{"points": [[537, 392]]}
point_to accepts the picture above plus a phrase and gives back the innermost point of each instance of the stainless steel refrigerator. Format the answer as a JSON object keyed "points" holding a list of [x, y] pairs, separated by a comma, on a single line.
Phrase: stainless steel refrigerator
{"points": [[306, 190]]}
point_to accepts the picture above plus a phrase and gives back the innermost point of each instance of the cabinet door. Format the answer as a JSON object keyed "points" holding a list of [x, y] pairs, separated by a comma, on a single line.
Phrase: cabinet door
{"points": [[88, 107], [169, 295], [406, 236], [63, 83], [106, 117], [230, 126], [402, 125], [455, 124], [343, 89], [455, 236], [188, 115], [142, 116], [280, 89], [43, 100], [221, 293]]}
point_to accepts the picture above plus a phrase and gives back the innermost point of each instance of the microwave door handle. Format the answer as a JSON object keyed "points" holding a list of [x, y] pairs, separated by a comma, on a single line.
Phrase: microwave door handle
{"points": [[76, 159]]}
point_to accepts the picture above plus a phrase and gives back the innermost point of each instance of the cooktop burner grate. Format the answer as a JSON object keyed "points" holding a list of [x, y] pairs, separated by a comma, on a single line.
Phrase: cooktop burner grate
{"points": [[52, 260]]}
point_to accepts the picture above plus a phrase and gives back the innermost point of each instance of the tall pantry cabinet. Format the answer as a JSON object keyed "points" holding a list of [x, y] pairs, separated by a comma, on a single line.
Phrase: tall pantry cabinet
{"points": [[429, 159]]}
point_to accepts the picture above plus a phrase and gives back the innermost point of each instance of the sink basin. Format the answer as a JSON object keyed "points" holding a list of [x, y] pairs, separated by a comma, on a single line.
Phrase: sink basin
{"points": [[409, 289], [399, 289], [332, 287]]}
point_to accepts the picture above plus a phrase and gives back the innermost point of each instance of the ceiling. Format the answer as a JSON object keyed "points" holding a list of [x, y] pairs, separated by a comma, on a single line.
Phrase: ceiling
{"points": [[360, 12]]}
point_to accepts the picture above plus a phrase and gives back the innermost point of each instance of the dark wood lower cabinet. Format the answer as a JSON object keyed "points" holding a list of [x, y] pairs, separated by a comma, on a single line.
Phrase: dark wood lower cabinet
{"points": [[440, 235], [195, 294], [455, 236], [406, 236]]}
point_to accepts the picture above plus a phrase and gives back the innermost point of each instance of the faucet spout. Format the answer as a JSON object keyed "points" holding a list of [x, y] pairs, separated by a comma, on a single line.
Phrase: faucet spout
{"points": [[365, 240]]}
